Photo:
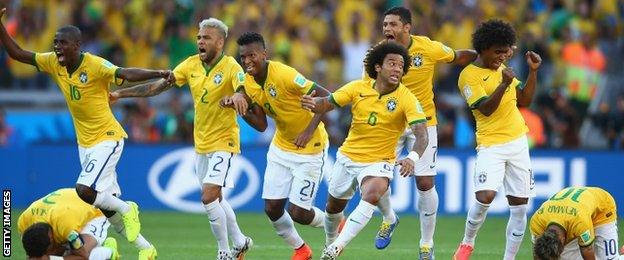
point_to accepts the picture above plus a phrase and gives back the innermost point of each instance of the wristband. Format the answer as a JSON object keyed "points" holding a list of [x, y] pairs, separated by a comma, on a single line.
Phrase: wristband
{"points": [[413, 156]]}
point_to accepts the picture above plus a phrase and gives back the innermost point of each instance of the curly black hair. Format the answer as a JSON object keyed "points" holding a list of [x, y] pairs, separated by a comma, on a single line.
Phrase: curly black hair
{"points": [[404, 14], [377, 54], [547, 246], [36, 240], [493, 33], [249, 38]]}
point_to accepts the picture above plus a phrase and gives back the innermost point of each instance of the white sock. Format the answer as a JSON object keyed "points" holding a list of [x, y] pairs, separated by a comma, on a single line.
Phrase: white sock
{"points": [[319, 218], [355, 223], [285, 228], [386, 208], [237, 236], [117, 223], [474, 220], [218, 224], [101, 252], [515, 230], [332, 221], [107, 201], [427, 209]]}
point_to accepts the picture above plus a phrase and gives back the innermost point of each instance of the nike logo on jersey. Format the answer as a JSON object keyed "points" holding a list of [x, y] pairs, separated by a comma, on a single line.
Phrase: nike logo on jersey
{"points": [[486, 78], [59, 74], [431, 166], [429, 214], [213, 220], [193, 76], [213, 175], [517, 235]]}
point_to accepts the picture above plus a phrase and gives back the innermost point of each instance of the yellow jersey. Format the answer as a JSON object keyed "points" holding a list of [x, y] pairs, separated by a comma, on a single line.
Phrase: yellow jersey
{"points": [[578, 210], [506, 123], [378, 120], [425, 53], [216, 128], [86, 94], [280, 97], [63, 210]]}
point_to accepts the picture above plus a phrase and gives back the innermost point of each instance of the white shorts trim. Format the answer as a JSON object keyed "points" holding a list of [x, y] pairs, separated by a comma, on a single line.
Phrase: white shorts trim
{"points": [[97, 228], [214, 168], [425, 166], [293, 176], [347, 175], [98, 166], [507, 165]]}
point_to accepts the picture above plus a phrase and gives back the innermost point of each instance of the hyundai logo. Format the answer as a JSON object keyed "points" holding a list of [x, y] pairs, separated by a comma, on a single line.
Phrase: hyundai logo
{"points": [[175, 189]]}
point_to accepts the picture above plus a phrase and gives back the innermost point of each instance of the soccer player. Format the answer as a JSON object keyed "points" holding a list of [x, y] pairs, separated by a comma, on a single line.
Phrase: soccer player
{"points": [[299, 148], [211, 75], [61, 222], [494, 95], [84, 80], [425, 54], [576, 223], [381, 108]]}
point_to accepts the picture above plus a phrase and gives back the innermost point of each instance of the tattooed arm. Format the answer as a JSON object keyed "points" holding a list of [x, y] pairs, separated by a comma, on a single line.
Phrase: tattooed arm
{"points": [[422, 139], [143, 90]]}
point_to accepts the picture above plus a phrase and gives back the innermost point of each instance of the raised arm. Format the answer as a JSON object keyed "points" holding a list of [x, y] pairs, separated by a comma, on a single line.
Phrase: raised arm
{"points": [[490, 104], [14, 50], [525, 95], [464, 57]]}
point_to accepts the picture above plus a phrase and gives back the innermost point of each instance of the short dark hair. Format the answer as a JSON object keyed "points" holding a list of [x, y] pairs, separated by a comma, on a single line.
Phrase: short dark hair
{"points": [[36, 240], [493, 33], [72, 32], [377, 54], [404, 14], [249, 38], [548, 246]]}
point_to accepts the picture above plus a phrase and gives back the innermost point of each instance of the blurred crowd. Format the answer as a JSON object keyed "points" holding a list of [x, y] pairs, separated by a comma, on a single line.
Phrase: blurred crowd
{"points": [[579, 104]]}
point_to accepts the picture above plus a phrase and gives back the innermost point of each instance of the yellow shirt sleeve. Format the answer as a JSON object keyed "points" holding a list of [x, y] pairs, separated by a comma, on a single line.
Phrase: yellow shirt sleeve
{"points": [[297, 82], [471, 89], [517, 83], [107, 71], [583, 229], [414, 113], [45, 62], [441, 52], [180, 74], [237, 76], [343, 95]]}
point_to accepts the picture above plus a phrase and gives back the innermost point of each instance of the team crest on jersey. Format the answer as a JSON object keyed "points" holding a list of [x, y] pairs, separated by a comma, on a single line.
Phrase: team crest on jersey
{"points": [[417, 60], [83, 77], [272, 91], [467, 92], [218, 78], [391, 104]]}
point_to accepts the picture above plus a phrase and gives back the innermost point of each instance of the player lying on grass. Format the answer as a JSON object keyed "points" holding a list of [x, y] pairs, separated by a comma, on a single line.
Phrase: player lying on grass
{"points": [[576, 223], [62, 226]]}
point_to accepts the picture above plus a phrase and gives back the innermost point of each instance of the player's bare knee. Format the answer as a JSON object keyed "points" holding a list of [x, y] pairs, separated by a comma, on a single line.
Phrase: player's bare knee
{"points": [[300, 215], [210, 193], [273, 209], [485, 196], [424, 183], [335, 205], [86, 193], [515, 201]]}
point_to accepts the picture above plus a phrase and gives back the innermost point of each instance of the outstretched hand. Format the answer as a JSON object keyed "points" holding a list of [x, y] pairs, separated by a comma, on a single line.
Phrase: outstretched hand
{"points": [[407, 167], [309, 102], [113, 97]]}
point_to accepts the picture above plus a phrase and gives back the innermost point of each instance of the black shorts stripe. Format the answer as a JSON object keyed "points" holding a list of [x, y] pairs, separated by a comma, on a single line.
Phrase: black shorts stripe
{"points": [[104, 165], [228, 169]]}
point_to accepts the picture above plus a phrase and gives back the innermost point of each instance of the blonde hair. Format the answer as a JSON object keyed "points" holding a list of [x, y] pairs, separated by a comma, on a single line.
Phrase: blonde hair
{"points": [[214, 23]]}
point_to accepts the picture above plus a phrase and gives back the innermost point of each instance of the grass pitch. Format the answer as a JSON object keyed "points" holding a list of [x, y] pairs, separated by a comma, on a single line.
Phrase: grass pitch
{"points": [[187, 236]]}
